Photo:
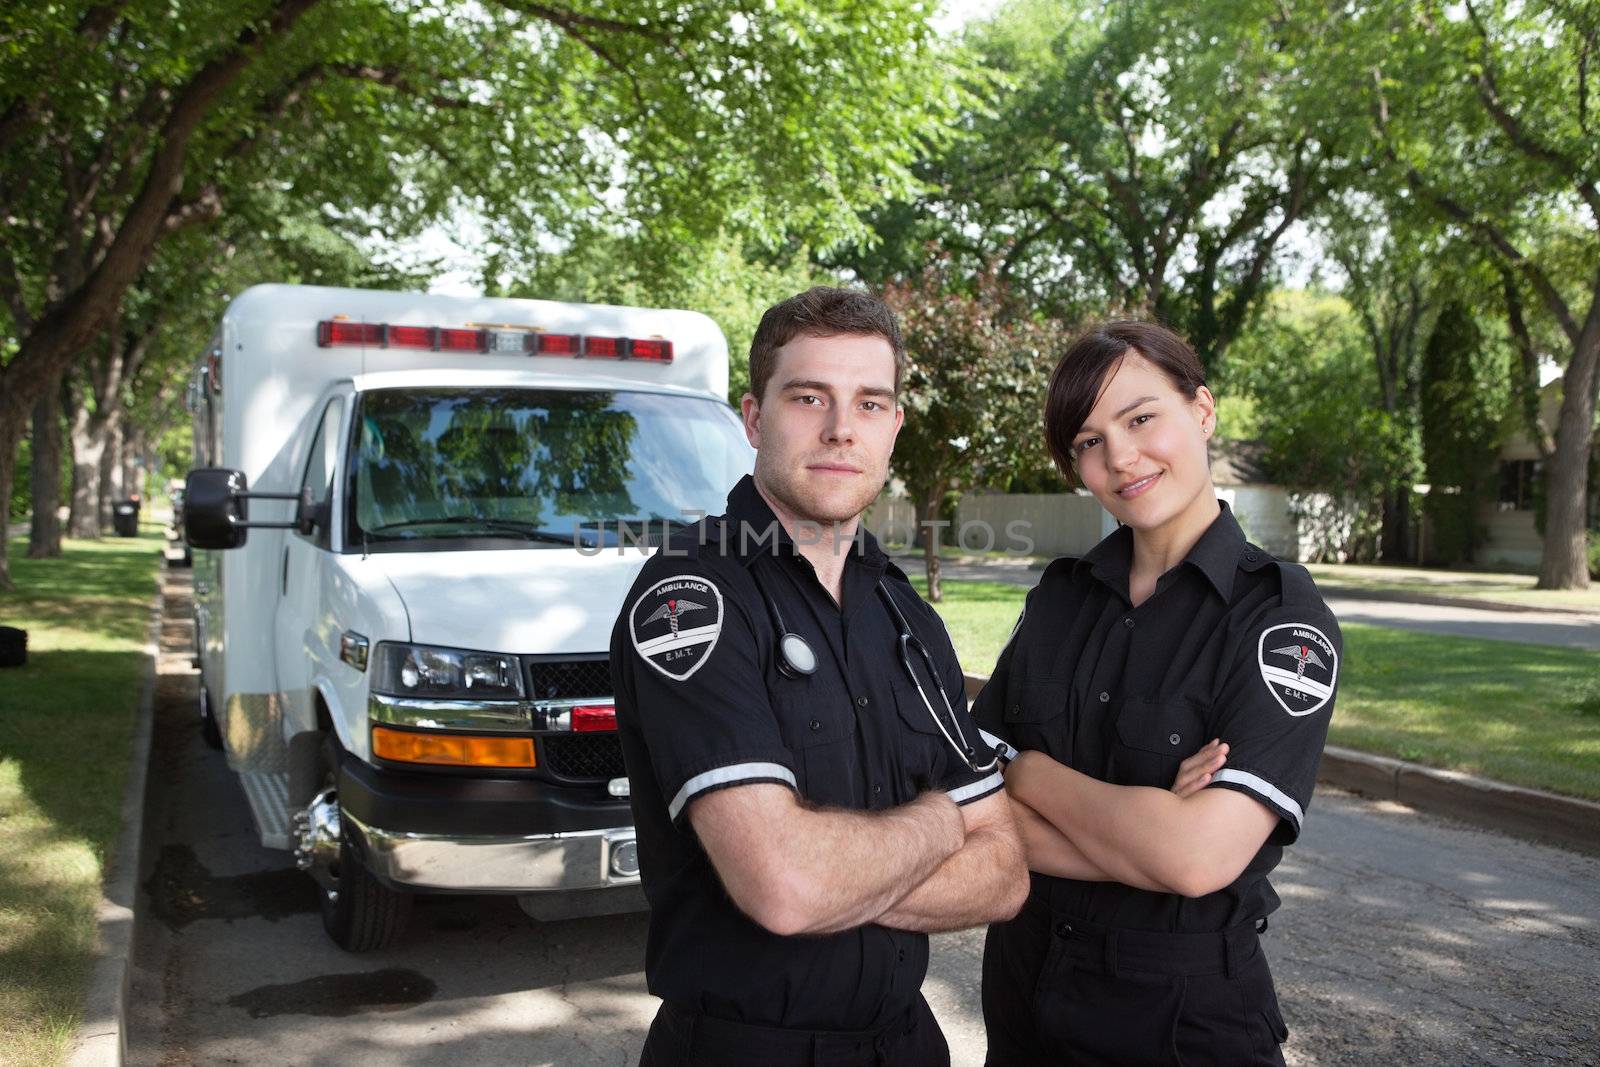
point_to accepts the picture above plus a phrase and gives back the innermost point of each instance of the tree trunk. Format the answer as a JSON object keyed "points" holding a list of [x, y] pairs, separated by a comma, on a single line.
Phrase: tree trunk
{"points": [[1396, 543], [1564, 562], [44, 534], [929, 531], [110, 474], [10, 438], [88, 446]]}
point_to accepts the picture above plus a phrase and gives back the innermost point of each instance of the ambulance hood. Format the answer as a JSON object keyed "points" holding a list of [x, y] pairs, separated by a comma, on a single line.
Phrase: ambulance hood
{"points": [[537, 600]]}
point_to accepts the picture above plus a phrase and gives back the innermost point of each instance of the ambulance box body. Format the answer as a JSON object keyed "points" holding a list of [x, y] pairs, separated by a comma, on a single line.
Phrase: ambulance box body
{"points": [[414, 520]]}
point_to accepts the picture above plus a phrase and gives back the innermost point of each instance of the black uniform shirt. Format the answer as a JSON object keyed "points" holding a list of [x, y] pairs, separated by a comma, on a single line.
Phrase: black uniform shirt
{"points": [[701, 705], [1233, 644]]}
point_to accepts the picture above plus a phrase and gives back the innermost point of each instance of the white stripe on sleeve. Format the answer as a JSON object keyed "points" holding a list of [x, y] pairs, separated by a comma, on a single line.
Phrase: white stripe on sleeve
{"points": [[1263, 789], [982, 787], [735, 772]]}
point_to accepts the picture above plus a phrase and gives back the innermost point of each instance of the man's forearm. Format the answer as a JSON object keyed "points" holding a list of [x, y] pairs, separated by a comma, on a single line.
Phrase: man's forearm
{"points": [[1049, 851], [986, 881], [848, 868]]}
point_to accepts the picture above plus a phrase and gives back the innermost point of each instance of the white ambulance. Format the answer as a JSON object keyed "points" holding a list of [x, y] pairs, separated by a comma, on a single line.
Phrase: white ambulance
{"points": [[415, 519]]}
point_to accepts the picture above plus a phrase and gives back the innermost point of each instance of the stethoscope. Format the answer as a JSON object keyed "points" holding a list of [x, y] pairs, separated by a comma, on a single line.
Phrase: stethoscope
{"points": [[797, 660]]}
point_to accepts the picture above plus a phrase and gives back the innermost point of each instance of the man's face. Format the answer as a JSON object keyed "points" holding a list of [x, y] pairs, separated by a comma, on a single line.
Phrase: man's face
{"points": [[825, 429]]}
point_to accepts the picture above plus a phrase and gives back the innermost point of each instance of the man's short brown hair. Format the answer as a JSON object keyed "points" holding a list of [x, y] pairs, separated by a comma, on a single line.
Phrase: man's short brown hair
{"points": [[822, 311]]}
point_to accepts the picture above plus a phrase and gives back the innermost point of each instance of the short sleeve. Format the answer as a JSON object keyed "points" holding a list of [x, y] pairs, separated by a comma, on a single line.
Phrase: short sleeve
{"points": [[1274, 707], [689, 680]]}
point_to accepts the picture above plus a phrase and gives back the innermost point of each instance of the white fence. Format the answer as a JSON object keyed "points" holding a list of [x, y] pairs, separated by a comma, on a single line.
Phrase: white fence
{"points": [[1069, 524]]}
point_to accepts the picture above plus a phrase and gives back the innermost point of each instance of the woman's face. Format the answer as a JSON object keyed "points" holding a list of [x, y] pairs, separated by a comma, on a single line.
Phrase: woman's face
{"points": [[1142, 450]]}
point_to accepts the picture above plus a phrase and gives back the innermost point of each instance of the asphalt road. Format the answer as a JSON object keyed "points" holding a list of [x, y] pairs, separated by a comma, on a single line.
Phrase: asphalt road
{"points": [[1403, 939], [1533, 627]]}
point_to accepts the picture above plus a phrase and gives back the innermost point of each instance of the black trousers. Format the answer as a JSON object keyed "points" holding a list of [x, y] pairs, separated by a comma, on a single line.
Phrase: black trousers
{"points": [[1057, 990], [680, 1037]]}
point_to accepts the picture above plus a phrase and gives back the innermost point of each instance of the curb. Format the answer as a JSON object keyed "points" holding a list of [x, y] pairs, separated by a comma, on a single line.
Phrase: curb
{"points": [[102, 1036], [1513, 809], [1358, 593], [1535, 813]]}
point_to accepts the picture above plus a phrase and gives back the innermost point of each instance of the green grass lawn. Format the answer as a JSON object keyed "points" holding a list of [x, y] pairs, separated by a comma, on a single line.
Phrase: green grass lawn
{"points": [[66, 728], [1473, 585], [1526, 714]]}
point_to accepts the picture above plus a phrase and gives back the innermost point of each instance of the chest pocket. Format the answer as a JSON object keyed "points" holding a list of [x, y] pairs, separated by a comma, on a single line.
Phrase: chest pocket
{"points": [[1152, 737], [919, 748], [821, 735], [1036, 716]]}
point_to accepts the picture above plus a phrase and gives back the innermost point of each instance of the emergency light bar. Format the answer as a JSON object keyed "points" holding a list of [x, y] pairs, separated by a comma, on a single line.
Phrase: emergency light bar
{"points": [[333, 333]]}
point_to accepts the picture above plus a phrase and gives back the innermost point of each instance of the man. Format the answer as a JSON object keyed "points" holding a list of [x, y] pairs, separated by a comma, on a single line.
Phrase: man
{"points": [[810, 796]]}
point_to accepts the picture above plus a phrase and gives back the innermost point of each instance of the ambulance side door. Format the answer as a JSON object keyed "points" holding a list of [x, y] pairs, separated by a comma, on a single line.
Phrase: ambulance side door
{"points": [[300, 637]]}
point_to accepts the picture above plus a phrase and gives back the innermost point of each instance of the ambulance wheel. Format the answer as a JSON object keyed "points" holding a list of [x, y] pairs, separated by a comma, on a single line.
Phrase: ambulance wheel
{"points": [[359, 912], [208, 721]]}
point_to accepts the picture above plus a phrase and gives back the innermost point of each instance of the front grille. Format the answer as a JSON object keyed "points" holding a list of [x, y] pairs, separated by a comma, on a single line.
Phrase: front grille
{"points": [[566, 679], [584, 757]]}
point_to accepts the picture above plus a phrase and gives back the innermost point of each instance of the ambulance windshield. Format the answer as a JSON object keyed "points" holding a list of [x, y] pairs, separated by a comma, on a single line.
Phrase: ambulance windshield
{"points": [[509, 467]]}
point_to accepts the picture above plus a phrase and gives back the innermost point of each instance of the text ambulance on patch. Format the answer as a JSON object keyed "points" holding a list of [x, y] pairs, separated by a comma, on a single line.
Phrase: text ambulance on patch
{"points": [[674, 625], [1299, 665]]}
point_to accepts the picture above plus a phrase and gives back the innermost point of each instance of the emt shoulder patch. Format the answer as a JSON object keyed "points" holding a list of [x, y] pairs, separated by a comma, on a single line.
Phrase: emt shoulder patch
{"points": [[1299, 665], [675, 623]]}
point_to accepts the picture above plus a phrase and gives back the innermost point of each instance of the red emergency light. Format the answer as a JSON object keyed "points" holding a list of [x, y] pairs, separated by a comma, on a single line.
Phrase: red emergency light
{"points": [[333, 333], [594, 718], [556, 344], [605, 348]]}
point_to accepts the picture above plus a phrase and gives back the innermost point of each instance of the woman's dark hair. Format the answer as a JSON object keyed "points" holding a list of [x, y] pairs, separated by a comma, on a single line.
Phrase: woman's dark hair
{"points": [[1087, 365]]}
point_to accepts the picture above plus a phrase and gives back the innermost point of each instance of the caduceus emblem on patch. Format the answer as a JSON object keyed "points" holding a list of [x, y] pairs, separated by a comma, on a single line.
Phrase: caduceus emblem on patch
{"points": [[675, 623], [1299, 665]]}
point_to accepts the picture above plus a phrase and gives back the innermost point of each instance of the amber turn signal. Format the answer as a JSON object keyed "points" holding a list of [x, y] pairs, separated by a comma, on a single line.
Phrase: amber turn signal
{"points": [[452, 750]]}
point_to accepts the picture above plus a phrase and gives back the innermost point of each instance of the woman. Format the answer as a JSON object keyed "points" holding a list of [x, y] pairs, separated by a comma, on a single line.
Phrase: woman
{"points": [[1139, 942]]}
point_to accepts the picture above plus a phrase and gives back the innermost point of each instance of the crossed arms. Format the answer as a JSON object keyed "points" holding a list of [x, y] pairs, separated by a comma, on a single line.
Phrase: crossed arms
{"points": [[927, 865], [1188, 840]]}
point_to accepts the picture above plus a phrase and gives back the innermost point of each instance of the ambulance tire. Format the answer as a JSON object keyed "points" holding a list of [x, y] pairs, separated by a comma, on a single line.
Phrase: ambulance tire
{"points": [[209, 730], [362, 914]]}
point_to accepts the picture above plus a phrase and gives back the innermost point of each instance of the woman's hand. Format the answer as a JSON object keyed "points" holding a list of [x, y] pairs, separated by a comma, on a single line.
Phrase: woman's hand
{"points": [[1194, 774]]}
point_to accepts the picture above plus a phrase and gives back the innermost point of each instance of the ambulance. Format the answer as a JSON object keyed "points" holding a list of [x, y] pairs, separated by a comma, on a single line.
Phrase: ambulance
{"points": [[414, 520]]}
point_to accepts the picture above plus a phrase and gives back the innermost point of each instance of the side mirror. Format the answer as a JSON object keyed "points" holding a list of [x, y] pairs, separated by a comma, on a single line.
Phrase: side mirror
{"points": [[215, 508], [308, 514]]}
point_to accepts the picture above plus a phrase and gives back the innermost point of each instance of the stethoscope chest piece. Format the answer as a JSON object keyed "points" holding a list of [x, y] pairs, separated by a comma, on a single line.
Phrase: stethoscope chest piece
{"points": [[795, 657]]}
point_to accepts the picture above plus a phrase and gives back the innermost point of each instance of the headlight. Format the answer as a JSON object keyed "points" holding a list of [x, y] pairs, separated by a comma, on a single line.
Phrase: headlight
{"points": [[448, 673]]}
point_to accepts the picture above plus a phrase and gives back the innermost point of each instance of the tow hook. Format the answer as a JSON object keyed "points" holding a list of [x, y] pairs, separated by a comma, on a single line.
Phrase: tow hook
{"points": [[316, 850]]}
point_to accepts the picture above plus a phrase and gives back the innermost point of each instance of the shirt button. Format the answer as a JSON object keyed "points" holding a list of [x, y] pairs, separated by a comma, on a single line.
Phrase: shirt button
{"points": [[816, 724], [902, 955], [1173, 739], [1063, 930], [862, 702], [1249, 557], [1128, 622], [877, 789], [1105, 697]]}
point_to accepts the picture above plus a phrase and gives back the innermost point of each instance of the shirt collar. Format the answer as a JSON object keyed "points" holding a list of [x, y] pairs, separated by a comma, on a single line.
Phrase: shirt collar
{"points": [[1215, 555], [767, 536]]}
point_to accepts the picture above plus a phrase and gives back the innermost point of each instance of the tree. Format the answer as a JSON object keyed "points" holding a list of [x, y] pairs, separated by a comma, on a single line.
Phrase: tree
{"points": [[1150, 159], [1391, 285], [973, 390], [1463, 407], [121, 126], [1308, 368], [1484, 116]]}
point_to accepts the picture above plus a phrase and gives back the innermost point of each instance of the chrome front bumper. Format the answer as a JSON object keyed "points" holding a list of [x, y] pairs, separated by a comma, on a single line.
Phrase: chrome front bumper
{"points": [[588, 859]]}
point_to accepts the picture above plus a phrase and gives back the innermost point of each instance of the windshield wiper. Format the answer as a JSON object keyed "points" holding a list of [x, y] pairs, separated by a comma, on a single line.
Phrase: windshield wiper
{"points": [[526, 530]]}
